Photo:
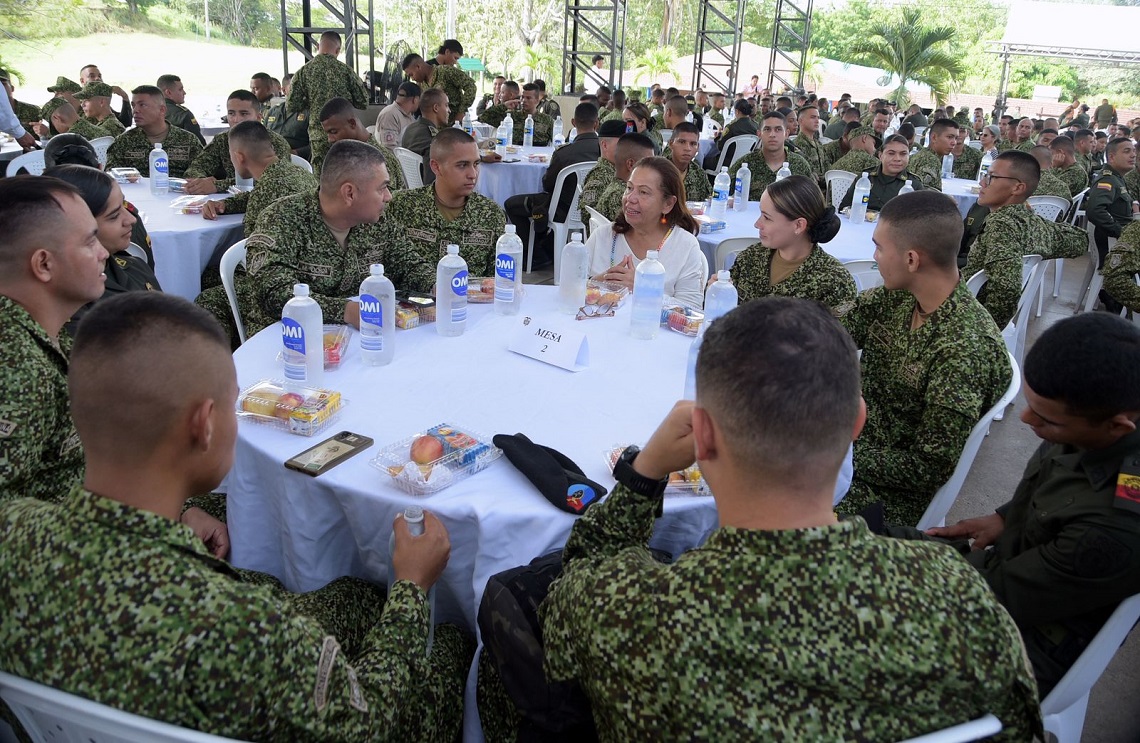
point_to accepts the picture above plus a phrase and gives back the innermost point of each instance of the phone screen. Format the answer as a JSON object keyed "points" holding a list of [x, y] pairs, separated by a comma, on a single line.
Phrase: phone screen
{"points": [[329, 453]]}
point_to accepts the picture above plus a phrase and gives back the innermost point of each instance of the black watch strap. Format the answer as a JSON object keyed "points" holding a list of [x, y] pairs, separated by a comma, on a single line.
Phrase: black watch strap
{"points": [[626, 475]]}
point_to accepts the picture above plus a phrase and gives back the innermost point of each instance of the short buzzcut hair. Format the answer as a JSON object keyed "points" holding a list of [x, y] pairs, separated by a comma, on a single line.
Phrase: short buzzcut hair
{"points": [[165, 81], [430, 98], [349, 160], [337, 107], [30, 210], [597, 58], [262, 76], [928, 222], [780, 377], [450, 45], [775, 115], [252, 138], [1063, 144], [510, 85], [942, 125], [1115, 144], [446, 141], [242, 94], [686, 127], [409, 60], [151, 90], [586, 112], [677, 105], [1023, 166], [633, 145], [852, 111]]}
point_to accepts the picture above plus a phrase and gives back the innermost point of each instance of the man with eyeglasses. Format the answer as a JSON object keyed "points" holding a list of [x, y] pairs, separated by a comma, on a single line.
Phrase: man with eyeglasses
{"points": [[398, 115]]}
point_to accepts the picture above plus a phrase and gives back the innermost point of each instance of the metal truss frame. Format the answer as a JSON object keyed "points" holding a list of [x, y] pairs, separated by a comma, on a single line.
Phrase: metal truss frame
{"points": [[1006, 51], [791, 37], [592, 27], [717, 53], [356, 28]]}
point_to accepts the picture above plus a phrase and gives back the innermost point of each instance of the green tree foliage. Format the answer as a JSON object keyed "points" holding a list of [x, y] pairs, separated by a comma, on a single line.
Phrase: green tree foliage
{"points": [[1027, 72], [655, 63], [910, 50]]}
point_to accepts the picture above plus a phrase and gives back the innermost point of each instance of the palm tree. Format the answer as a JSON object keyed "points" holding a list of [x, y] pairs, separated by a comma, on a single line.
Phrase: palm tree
{"points": [[655, 63], [910, 50], [537, 61]]}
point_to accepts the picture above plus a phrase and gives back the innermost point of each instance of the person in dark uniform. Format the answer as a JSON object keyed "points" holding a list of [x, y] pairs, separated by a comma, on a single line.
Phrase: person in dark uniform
{"points": [[293, 126], [177, 114], [1110, 206], [889, 177]]}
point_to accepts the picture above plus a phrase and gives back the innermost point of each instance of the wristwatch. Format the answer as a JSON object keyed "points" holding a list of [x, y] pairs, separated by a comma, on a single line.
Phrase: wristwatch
{"points": [[626, 475]]}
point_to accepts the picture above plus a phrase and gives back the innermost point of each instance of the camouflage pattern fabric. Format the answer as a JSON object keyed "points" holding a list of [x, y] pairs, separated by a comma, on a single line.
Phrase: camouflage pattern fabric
{"points": [[282, 178], [600, 176], [319, 80], [812, 151], [233, 659], [962, 118], [1121, 266], [543, 124], [967, 164], [1004, 144], [550, 107], [498, 716], [180, 116], [674, 652], [1085, 162], [820, 277], [26, 112], [833, 150], [609, 202], [883, 188], [697, 186], [1025, 146], [214, 161], [132, 150], [927, 165], [857, 162], [1132, 182], [87, 130], [1051, 184], [925, 390], [1075, 178], [113, 126], [716, 116], [40, 453], [763, 176], [395, 172], [414, 214], [458, 85]]}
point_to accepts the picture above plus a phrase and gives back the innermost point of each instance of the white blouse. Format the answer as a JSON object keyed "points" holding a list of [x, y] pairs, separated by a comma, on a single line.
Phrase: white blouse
{"points": [[686, 268]]}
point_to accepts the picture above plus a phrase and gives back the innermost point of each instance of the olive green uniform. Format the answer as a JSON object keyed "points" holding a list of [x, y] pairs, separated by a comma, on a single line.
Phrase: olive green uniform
{"points": [[609, 201], [1025, 146], [834, 128], [820, 277], [550, 107], [458, 85], [925, 390], [600, 176], [927, 165], [697, 186], [395, 172], [763, 176], [1075, 178], [1132, 182], [812, 151], [1051, 184], [1109, 208], [475, 231], [26, 112], [1004, 144], [319, 80], [1085, 162], [180, 116], [967, 164], [1121, 267], [293, 126], [282, 178], [857, 162], [132, 150], [214, 161], [87, 130], [111, 124], [1103, 115], [883, 188], [543, 124]]}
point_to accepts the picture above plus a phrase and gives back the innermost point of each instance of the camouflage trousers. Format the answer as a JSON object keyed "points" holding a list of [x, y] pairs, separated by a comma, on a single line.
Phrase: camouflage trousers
{"points": [[319, 142], [902, 509], [497, 712]]}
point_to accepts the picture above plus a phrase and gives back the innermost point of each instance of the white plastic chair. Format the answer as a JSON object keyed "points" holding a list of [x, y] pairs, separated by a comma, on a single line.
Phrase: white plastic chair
{"points": [[727, 250], [33, 162], [412, 165], [573, 220], [975, 283], [138, 252], [964, 733], [597, 219], [976, 144], [301, 162], [865, 273], [1032, 275], [838, 182], [1077, 212], [1063, 711], [1090, 288], [231, 259], [371, 128], [825, 140], [48, 714], [1051, 208], [935, 514], [101, 145], [734, 149]]}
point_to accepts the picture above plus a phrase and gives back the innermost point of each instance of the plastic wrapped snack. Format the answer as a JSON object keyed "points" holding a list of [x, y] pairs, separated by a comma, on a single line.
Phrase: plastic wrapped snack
{"points": [[126, 175], [294, 408], [178, 185], [189, 204], [697, 208], [682, 319], [336, 345], [708, 224], [433, 459], [686, 482], [480, 290], [605, 292]]}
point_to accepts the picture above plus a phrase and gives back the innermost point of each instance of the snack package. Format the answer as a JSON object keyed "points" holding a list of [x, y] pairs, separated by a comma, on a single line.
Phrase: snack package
{"points": [[682, 319], [189, 204], [605, 292], [480, 290], [126, 175], [686, 482], [336, 345], [435, 458], [708, 224], [295, 408], [178, 185], [697, 208]]}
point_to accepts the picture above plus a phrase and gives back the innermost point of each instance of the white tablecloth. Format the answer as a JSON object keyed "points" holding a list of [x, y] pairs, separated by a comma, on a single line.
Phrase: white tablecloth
{"points": [[10, 151], [500, 181], [182, 243], [959, 188]]}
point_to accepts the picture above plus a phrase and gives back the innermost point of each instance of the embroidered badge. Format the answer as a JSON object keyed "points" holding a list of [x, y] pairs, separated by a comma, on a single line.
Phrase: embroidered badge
{"points": [[7, 428], [356, 694], [329, 651]]}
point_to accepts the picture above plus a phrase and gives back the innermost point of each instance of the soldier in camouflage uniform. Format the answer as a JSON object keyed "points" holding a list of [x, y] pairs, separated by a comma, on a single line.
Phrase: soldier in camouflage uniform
{"points": [[927, 164], [236, 659], [1063, 155], [967, 160], [820, 277], [543, 124], [888, 176], [450, 211], [629, 149], [929, 373], [682, 152], [458, 85], [808, 145], [132, 149], [96, 101], [319, 80], [1051, 185], [1121, 267], [1132, 182], [339, 121], [858, 159], [213, 171], [766, 160], [595, 183], [65, 119], [178, 115]]}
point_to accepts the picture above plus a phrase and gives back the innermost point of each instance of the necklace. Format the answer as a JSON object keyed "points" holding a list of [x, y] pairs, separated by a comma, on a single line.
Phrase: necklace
{"points": [[613, 245]]}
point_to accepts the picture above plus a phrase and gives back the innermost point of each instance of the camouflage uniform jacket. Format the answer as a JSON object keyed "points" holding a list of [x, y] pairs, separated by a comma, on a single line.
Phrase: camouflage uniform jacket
{"points": [[1052, 185], [883, 188], [1132, 182], [658, 648], [925, 390], [395, 172], [112, 124], [214, 161], [600, 176], [132, 150], [820, 277], [180, 116], [697, 186], [543, 124], [550, 107], [1075, 178], [1121, 266], [927, 165], [458, 85], [319, 80], [609, 202], [763, 176], [26, 112], [1004, 144], [716, 116], [293, 126], [1025, 146], [966, 165], [475, 231], [280, 179], [234, 659], [1011, 232], [857, 162], [40, 453], [1085, 162], [292, 244], [812, 151], [87, 130]]}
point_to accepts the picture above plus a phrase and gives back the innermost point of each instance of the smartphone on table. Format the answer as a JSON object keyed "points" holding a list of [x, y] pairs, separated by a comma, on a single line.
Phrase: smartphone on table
{"points": [[329, 453]]}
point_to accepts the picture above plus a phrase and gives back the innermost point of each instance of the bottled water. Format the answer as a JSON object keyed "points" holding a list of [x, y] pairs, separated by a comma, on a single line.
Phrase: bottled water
{"points": [[948, 165], [528, 131], [508, 272], [377, 318], [302, 332], [159, 171], [783, 172], [572, 135], [558, 135], [728, 114], [573, 275], [451, 294], [503, 134], [720, 298], [743, 188], [721, 186], [414, 518], [510, 123], [467, 125], [987, 161], [860, 198], [907, 187], [707, 126], [648, 296]]}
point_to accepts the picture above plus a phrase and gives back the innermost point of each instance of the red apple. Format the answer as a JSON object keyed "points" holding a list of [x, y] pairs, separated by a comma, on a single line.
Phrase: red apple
{"points": [[426, 449], [287, 403]]}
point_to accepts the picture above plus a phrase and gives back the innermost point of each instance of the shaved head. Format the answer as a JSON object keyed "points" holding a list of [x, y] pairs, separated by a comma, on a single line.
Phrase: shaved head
{"points": [[349, 161], [30, 211]]}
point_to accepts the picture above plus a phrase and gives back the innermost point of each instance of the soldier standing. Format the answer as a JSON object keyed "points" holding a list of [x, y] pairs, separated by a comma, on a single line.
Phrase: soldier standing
{"points": [[319, 80]]}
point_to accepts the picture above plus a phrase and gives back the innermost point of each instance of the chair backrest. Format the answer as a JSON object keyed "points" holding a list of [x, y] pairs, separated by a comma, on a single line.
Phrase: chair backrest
{"points": [[101, 145], [965, 732], [301, 162], [825, 140], [231, 259], [734, 149], [1052, 208], [138, 252], [371, 128], [412, 165], [865, 273], [936, 512], [573, 216], [838, 181], [1077, 211], [597, 219], [715, 127], [48, 714], [33, 162], [727, 250], [977, 281]]}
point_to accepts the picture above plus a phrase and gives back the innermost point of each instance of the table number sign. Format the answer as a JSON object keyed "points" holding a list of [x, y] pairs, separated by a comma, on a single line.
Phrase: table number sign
{"points": [[552, 342]]}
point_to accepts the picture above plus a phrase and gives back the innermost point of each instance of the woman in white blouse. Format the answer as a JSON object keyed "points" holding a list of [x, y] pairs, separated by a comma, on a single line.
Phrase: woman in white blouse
{"points": [[653, 217]]}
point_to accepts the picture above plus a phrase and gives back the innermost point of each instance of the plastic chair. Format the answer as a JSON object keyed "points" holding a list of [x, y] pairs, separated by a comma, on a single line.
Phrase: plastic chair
{"points": [[734, 149], [727, 250], [1032, 276], [411, 164], [976, 144], [573, 219], [1051, 208], [231, 259], [49, 714], [975, 283], [963, 733], [1090, 287], [838, 181], [371, 128], [825, 140], [138, 252], [33, 162], [1063, 711], [597, 219], [101, 145], [301, 162], [935, 514], [865, 273], [1077, 211]]}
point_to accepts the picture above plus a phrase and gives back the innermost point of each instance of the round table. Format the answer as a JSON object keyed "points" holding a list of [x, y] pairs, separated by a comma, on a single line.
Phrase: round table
{"points": [[500, 181], [961, 190], [10, 150], [182, 243]]}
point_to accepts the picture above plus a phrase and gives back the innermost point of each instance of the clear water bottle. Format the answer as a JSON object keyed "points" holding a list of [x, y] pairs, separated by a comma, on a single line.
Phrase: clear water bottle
{"points": [[907, 187], [691, 366], [743, 188], [728, 114], [860, 198], [573, 275], [948, 165], [414, 518], [468, 126], [302, 332], [987, 161], [721, 187], [648, 296], [559, 137], [159, 171], [783, 172], [503, 135], [528, 131], [572, 135], [508, 272], [510, 123], [720, 298], [451, 294], [377, 318]]}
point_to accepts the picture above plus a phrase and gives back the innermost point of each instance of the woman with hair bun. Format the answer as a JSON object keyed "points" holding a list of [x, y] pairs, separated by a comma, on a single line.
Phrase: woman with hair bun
{"points": [[788, 261]]}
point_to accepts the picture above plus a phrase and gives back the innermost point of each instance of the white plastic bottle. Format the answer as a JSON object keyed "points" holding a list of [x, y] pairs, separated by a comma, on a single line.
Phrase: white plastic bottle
{"points": [[721, 187], [159, 170], [302, 332], [451, 294], [559, 137], [528, 131], [743, 188], [860, 198], [503, 134], [987, 161], [573, 275], [720, 298], [948, 165], [414, 518], [907, 187], [648, 296], [377, 318], [467, 125], [508, 272], [510, 122], [783, 172]]}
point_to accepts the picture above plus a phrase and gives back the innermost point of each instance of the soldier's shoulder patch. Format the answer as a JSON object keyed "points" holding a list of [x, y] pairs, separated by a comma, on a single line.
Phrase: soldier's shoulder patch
{"points": [[7, 428], [1106, 185], [1100, 554], [1115, 259], [356, 694], [329, 650], [193, 121]]}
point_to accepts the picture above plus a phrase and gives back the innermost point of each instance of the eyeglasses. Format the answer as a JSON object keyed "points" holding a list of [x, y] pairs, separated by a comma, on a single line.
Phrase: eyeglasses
{"points": [[595, 310], [988, 178]]}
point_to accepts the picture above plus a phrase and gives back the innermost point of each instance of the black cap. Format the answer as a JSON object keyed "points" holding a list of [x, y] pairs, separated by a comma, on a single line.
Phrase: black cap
{"points": [[611, 128]]}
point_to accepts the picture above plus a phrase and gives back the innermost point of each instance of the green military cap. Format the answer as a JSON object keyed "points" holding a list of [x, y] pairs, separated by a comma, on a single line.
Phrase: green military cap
{"points": [[94, 89], [860, 131], [49, 108], [63, 85]]}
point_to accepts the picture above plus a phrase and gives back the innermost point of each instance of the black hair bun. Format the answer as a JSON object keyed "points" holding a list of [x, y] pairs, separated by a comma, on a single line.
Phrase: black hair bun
{"points": [[826, 227]]}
